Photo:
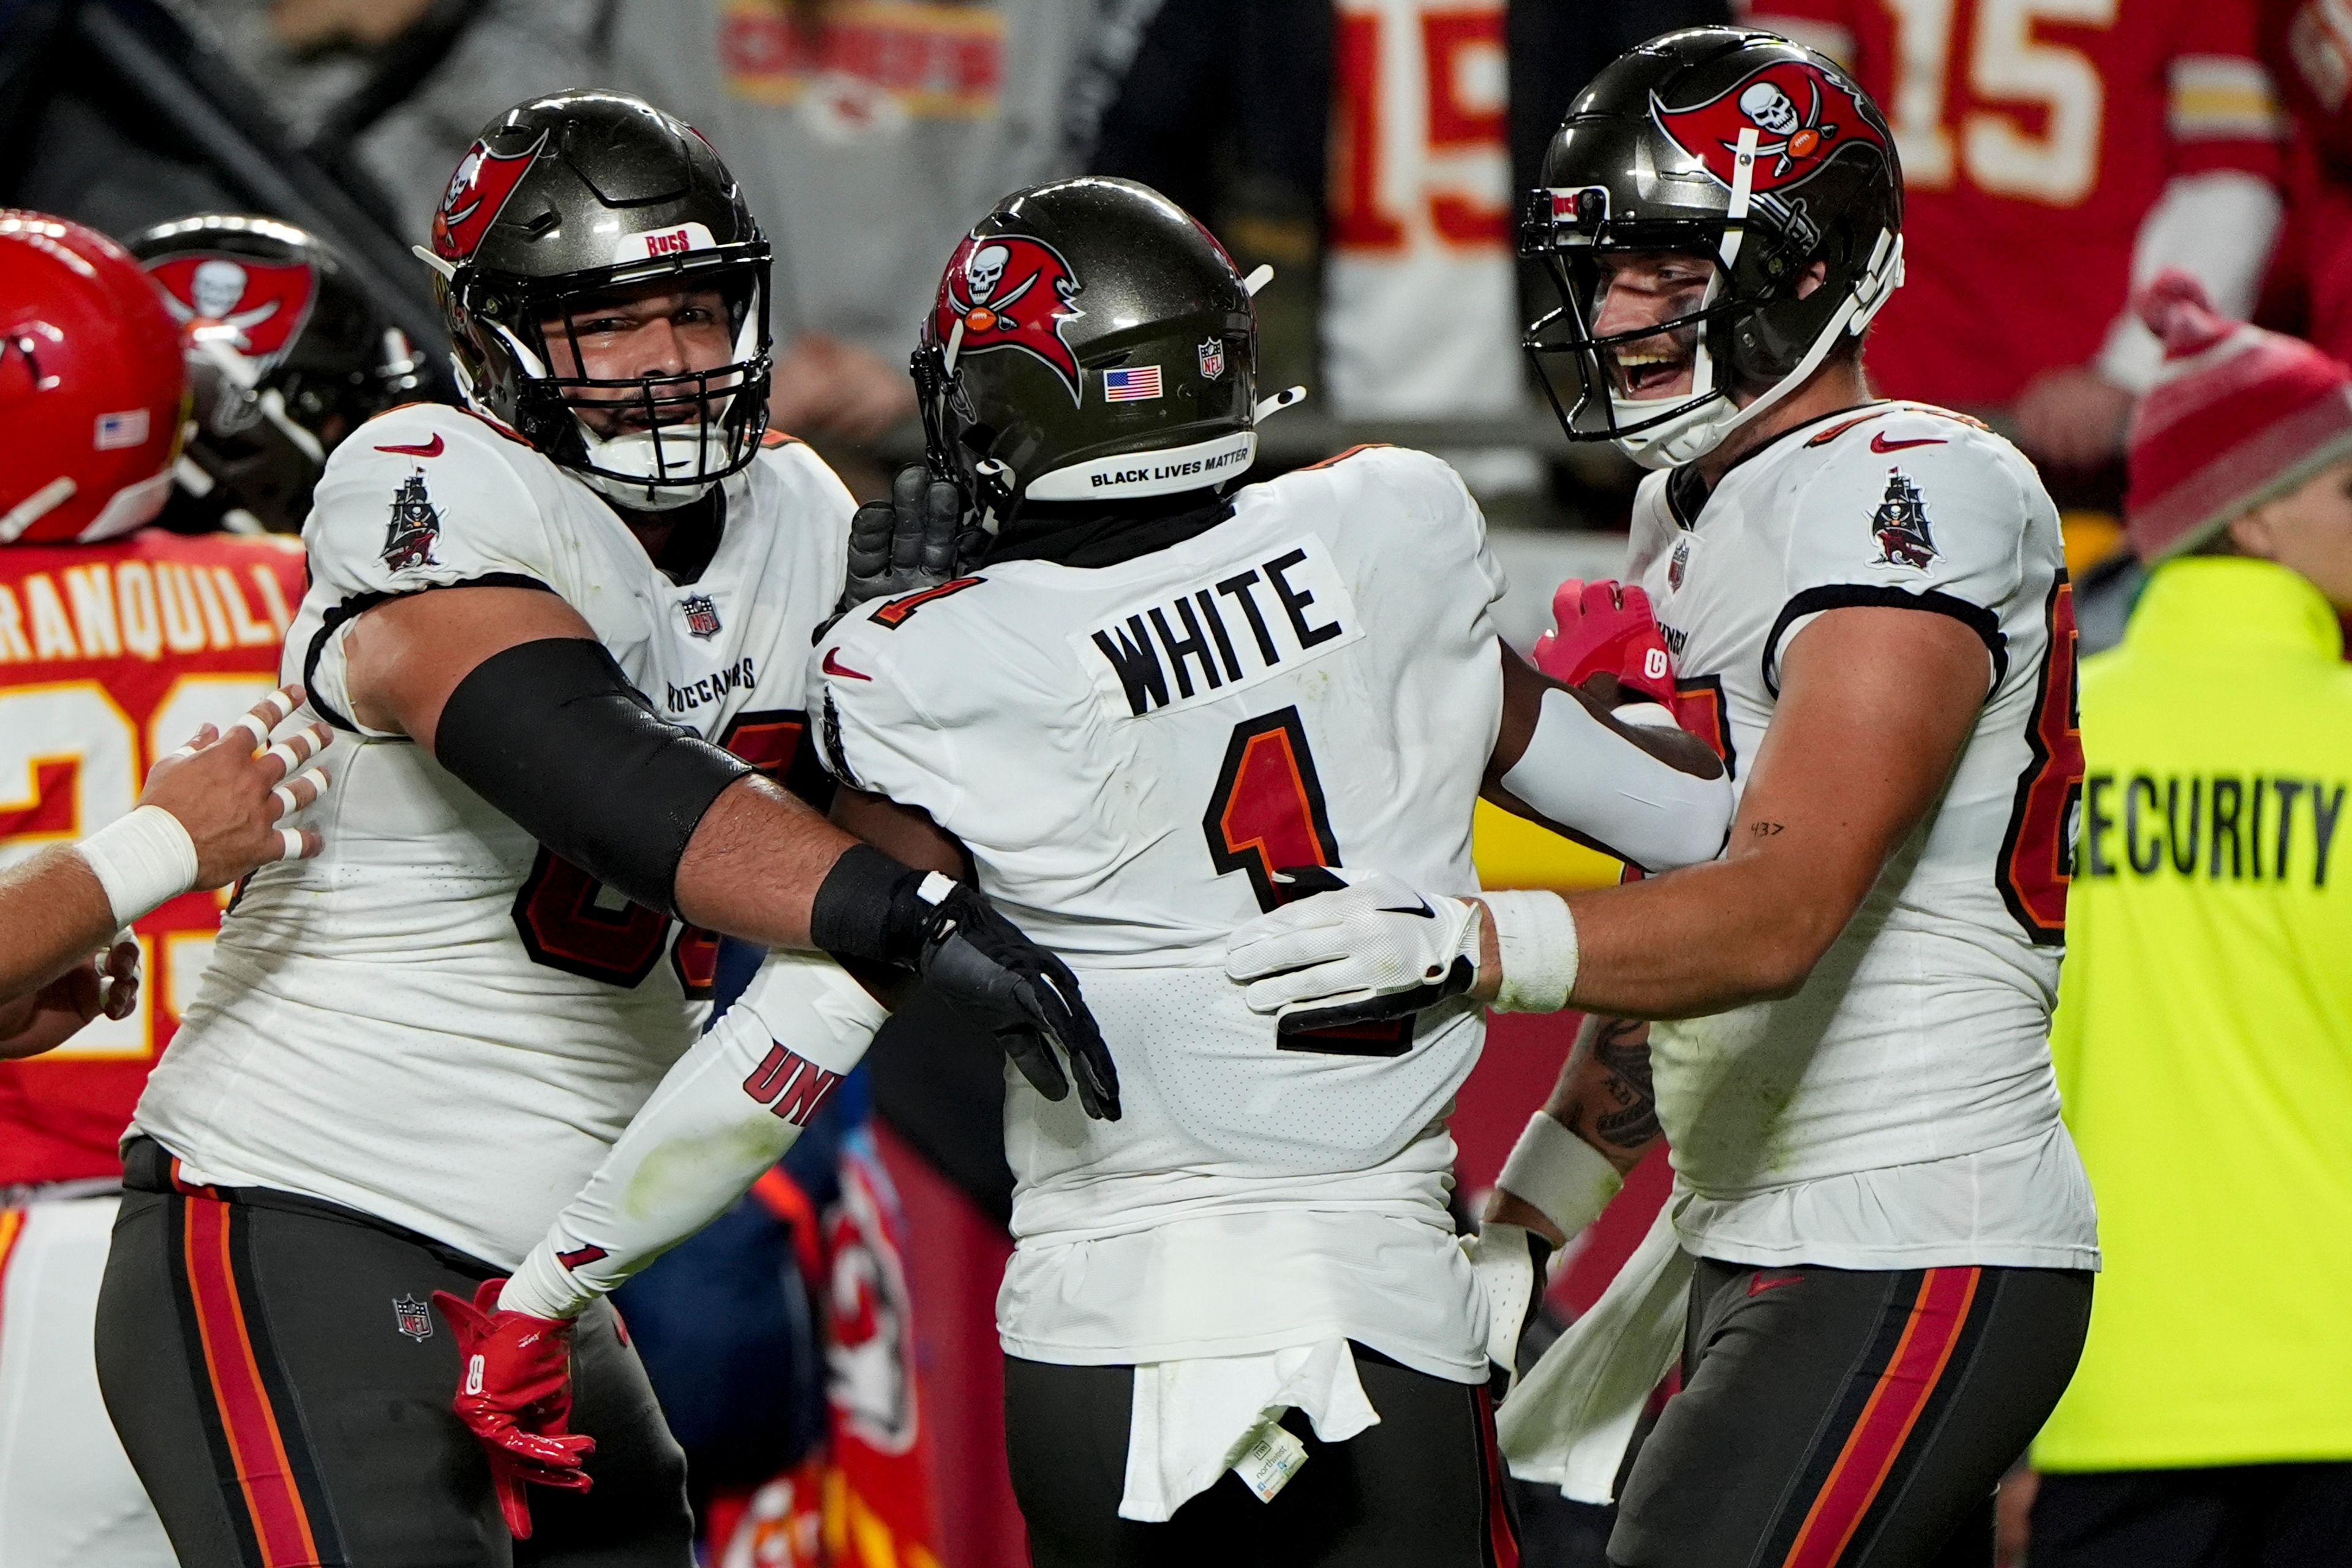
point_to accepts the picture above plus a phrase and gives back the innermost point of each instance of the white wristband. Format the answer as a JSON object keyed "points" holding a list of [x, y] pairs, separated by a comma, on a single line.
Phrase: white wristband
{"points": [[1535, 937], [1562, 1175], [143, 861]]}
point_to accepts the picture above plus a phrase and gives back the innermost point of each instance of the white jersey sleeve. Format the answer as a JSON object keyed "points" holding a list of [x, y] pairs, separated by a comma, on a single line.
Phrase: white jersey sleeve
{"points": [[1929, 512], [873, 733], [424, 499], [725, 1112]]}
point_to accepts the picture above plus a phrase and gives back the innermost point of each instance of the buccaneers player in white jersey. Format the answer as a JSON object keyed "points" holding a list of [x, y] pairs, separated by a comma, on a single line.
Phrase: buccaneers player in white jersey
{"points": [[559, 633], [1886, 1235], [116, 642], [1158, 705]]}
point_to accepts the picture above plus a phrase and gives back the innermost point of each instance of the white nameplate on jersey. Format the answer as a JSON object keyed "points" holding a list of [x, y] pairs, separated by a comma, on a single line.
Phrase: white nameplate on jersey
{"points": [[1271, 1455], [1241, 624]]}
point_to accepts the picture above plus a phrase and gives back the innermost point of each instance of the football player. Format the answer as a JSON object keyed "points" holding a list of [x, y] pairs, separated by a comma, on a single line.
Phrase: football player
{"points": [[116, 641], [559, 633], [1162, 704], [286, 357], [2106, 143], [1885, 1233]]}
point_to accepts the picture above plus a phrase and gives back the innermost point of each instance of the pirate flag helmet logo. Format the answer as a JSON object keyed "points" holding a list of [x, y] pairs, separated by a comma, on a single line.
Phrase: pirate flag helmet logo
{"points": [[1802, 118], [1009, 292], [478, 193], [255, 307]]}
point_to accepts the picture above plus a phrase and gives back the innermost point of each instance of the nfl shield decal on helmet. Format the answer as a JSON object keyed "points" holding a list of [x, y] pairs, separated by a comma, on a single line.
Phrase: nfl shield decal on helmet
{"points": [[1802, 118], [1901, 524], [1009, 292], [477, 192], [702, 614], [411, 1317], [255, 307], [409, 541], [1212, 359]]}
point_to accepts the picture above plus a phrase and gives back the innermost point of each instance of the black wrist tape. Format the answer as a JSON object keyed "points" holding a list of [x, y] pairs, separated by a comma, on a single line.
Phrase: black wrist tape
{"points": [[552, 734], [866, 908]]}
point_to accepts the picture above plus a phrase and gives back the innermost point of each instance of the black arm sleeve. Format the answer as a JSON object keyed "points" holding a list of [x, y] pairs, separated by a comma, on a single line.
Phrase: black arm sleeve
{"points": [[552, 734]]}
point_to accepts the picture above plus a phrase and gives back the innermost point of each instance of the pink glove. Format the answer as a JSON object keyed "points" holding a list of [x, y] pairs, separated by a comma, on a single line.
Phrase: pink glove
{"points": [[515, 1396], [1606, 629]]}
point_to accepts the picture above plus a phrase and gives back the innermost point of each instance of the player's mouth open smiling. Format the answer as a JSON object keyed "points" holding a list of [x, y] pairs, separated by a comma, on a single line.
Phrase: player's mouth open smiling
{"points": [[1650, 288]]}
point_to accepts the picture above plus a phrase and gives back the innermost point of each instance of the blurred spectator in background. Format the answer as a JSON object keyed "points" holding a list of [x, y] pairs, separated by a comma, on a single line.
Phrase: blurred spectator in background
{"points": [[2054, 154], [2203, 1038], [869, 134], [404, 85], [2308, 47]]}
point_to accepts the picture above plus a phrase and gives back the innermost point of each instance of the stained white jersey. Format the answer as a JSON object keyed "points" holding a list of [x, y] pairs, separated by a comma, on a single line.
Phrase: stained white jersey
{"points": [[1900, 1110], [436, 1021], [1129, 752]]}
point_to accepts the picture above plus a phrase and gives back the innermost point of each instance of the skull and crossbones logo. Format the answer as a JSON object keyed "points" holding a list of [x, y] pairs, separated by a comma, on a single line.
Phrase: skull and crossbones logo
{"points": [[1773, 111], [215, 288], [983, 271]]}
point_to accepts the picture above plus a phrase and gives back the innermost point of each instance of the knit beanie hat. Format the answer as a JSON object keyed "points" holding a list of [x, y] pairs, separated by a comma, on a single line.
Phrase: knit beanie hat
{"points": [[2239, 416]]}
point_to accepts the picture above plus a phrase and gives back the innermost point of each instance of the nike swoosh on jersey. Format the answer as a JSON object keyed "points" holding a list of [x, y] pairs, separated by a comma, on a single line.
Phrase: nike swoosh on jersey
{"points": [[833, 665], [1882, 445], [420, 449]]}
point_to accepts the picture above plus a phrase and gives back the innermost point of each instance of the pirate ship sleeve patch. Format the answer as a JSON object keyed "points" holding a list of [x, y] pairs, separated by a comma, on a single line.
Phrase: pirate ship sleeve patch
{"points": [[1912, 511], [419, 500]]}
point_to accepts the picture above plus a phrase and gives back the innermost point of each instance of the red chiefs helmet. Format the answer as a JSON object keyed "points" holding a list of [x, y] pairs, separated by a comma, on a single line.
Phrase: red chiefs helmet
{"points": [[92, 389]]}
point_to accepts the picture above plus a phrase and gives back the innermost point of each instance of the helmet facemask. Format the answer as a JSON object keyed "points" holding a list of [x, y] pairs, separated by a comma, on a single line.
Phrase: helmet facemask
{"points": [[650, 442], [1749, 333]]}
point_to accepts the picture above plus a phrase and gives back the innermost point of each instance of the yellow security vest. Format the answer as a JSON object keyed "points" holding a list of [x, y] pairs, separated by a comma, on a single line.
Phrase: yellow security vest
{"points": [[2203, 1038]]}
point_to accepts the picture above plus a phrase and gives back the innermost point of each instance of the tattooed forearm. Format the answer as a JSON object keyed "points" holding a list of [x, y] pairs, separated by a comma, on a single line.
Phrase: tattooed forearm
{"points": [[1606, 1097]]}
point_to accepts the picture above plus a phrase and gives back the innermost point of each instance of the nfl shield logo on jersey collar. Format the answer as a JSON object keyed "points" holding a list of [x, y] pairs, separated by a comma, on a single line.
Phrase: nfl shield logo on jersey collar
{"points": [[702, 614], [412, 1318]]}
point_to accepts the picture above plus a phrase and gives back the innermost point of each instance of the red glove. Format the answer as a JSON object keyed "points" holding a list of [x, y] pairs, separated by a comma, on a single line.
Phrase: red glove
{"points": [[515, 1396], [1606, 629]]}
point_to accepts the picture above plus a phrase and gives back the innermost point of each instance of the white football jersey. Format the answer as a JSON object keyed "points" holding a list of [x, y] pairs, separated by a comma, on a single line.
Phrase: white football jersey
{"points": [[1130, 752], [1900, 1110], [436, 1021]]}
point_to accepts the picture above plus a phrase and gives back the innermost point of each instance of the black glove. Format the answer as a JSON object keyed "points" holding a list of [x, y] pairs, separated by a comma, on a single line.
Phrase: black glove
{"points": [[904, 544], [871, 905], [983, 965]]}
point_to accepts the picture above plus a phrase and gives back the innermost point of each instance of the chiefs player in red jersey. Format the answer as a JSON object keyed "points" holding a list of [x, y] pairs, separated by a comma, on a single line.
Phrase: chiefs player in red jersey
{"points": [[2307, 45], [2105, 141], [116, 643]]}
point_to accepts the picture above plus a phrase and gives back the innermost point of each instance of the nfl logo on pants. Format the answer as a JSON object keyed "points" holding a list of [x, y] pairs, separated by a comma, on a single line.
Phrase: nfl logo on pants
{"points": [[411, 1317]]}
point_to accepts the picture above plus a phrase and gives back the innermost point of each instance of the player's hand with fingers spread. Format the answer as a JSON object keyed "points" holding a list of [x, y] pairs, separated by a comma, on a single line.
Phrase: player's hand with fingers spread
{"points": [[231, 791], [983, 964], [906, 543], [514, 1393], [107, 985], [1358, 947]]}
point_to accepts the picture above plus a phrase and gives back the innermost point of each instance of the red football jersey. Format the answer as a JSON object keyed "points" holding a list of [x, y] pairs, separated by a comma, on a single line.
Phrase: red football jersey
{"points": [[2035, 135], [111, 655]]}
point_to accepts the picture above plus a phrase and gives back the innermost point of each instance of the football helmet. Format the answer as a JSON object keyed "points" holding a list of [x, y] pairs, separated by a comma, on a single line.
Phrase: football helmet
{"points": [[1089, 342], [1740, 148], [91, 388], [564, 203], [286, 357]]}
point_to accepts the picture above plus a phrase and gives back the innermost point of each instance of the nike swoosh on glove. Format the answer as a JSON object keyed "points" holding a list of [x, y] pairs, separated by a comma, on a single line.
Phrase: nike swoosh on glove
{"points": [[514, 1395], [1607, 628], [1360, 947], [906, 543], [983, 964]]}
